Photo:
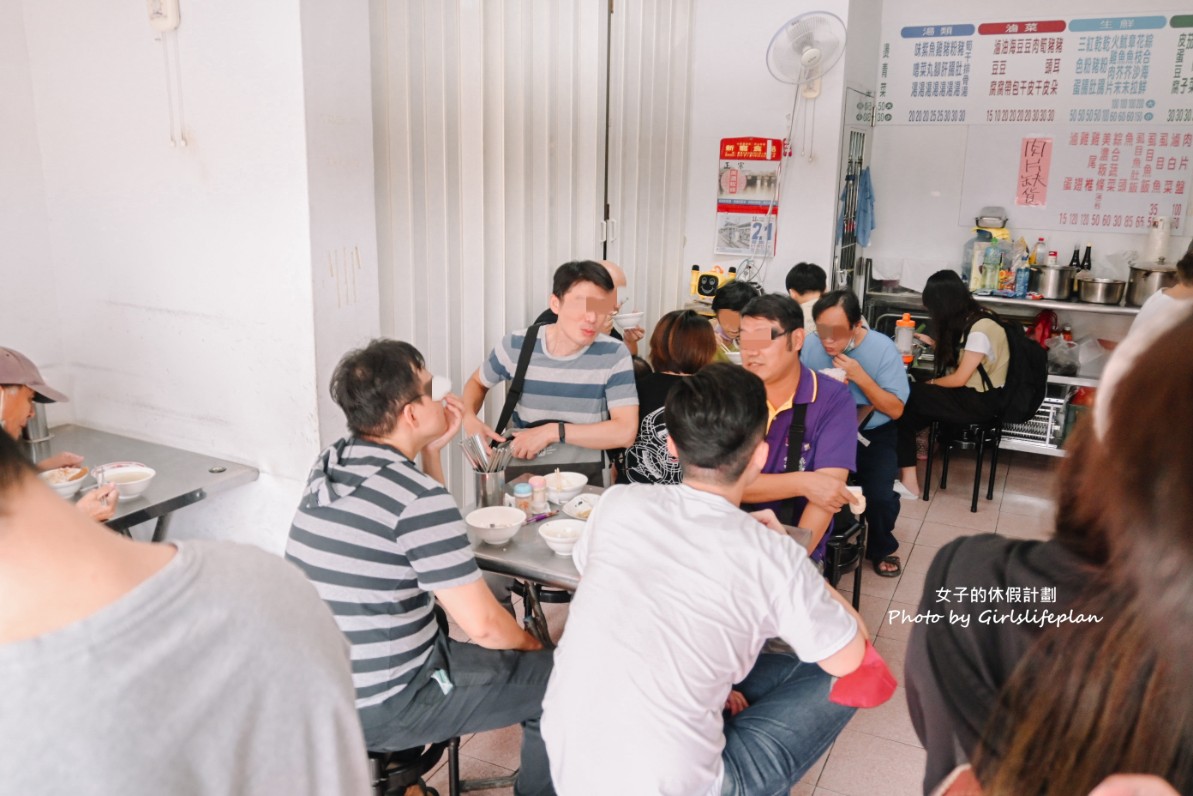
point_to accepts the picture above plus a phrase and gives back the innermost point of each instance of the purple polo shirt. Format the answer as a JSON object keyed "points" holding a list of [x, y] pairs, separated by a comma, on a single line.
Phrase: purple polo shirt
{"points": [[830, 437]]}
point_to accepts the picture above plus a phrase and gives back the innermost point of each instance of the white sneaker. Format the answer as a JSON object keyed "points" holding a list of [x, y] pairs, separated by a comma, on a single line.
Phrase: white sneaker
{"points": [[905, 493]]}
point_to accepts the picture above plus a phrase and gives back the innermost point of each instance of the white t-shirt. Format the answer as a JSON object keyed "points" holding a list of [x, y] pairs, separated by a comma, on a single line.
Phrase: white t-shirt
{"points": [[679, 591], [1158, 304]]}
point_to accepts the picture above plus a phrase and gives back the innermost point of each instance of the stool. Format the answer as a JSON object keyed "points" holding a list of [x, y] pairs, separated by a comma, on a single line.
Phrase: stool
{"points": [[848, 536], [392, 773], [989, 432]]}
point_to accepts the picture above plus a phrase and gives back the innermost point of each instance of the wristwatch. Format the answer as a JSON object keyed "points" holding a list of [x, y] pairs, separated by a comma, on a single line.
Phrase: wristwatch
{"points": [[562, 432]]}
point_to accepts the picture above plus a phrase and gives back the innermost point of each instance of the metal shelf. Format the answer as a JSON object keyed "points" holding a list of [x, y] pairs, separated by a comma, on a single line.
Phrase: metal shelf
{"points": [[910, 299], [1011, 444], [1064, 306], [1074, 381]]}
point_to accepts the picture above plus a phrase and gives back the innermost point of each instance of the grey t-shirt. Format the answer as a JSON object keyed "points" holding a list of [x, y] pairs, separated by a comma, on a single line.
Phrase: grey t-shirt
{"points": [[223, 673]]}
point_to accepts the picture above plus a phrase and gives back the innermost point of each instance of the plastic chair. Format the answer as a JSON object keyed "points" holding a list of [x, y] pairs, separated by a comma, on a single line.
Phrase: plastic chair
{"points": [[988, 433], [846, 547]]}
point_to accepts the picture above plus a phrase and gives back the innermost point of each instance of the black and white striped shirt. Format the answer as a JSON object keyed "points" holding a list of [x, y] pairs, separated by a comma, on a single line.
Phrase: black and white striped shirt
{"points": [[376, 535]]}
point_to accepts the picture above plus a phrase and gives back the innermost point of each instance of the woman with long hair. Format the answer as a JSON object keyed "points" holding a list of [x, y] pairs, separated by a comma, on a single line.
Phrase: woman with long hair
{"points": [[1108, 689], [682, 343], [971, 367]]}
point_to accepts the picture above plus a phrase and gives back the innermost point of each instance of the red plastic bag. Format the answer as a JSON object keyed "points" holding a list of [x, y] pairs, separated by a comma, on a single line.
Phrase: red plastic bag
{"points": [[867, 686]]}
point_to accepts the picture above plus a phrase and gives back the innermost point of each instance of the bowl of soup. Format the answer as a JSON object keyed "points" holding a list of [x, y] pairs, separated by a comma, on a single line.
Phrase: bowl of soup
{"points": [[496, 525], [131, 479]]}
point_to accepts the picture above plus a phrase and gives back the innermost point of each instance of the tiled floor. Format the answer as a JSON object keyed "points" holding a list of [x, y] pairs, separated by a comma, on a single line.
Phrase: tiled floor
{"points": [[877, 754]]}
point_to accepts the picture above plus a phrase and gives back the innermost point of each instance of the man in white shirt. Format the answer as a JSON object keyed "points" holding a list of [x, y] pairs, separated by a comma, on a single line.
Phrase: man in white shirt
{"points": [[680, 590]]}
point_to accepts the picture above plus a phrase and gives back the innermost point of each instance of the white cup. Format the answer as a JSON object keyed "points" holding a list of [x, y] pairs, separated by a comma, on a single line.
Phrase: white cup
{"points": [[860, 508]]}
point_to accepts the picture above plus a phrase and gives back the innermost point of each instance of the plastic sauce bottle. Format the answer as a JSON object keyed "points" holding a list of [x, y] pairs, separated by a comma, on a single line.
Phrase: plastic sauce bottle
{"points": [[522, 497], [904, 336], [538, 500], [1039, 255]]}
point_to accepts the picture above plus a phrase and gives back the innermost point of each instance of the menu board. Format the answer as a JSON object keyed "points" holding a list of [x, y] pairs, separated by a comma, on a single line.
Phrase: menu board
{"points": [[1085, 122]]}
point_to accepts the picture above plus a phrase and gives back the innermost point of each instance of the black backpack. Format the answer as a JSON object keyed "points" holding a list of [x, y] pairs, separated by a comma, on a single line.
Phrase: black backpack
{"points": [[1027, 375]]}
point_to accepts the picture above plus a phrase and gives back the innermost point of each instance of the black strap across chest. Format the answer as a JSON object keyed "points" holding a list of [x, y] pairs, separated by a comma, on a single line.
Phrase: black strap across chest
{"points": [[514, 394]]}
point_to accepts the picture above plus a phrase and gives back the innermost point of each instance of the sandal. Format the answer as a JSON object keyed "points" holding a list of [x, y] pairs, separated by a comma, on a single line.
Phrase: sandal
{"points": [[888, 573]]}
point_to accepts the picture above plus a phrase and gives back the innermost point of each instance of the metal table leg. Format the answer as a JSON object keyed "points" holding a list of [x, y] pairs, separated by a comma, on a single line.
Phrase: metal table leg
{"points": [[534, 619], [161, 527]]}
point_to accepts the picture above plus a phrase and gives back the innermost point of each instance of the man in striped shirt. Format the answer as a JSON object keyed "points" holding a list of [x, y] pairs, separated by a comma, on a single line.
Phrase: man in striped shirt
{"points": [[579, 397], [382, 540]]}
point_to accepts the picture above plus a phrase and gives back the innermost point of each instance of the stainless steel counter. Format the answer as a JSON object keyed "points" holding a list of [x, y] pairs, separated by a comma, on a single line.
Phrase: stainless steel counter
{"points": [[182, 477]]}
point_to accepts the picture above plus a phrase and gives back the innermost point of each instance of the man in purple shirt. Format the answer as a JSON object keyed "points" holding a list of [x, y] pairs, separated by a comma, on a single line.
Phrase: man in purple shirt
{"points": [[772, 334]]}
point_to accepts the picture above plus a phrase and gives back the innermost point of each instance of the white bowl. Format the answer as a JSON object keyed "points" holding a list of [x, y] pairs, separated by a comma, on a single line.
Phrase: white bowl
{"points": [[562, 487], [65, 480], [581, 506], [628, 320], [496, 525], [561, 535], [130, 478]]}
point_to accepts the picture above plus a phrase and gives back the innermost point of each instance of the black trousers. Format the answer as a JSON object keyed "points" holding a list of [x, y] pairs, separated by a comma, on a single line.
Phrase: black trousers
{"points": [[876, 474], [929, 402]]}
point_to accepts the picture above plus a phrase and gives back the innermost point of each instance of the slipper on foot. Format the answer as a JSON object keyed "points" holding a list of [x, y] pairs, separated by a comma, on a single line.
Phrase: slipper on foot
{"points": [[888, 573], [904, 493]]}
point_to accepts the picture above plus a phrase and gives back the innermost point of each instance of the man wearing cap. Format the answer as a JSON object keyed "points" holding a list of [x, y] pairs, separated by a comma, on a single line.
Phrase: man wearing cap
{"points": [[383, 541], [21, 385]]}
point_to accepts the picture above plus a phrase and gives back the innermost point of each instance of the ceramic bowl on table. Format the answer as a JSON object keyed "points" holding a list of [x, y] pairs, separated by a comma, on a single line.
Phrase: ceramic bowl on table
{"points": [[131, 479], [628, 320], [65, 480], [581, 506], [561, 535], [563, 486], [496, 525]]}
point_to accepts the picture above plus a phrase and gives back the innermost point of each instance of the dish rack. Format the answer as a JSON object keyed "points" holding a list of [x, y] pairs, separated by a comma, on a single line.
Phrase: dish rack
{"points": [[1046, 428]]}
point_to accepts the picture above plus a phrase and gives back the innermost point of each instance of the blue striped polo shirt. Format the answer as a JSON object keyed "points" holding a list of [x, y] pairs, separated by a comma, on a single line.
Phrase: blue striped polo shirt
{"points": [[580, 388], [376, 535]]}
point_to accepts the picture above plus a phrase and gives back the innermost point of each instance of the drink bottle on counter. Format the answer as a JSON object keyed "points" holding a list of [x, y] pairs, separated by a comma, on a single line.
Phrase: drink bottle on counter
{"points": [[1087, 258], [904, 337], [1076, 261], [1039, 254]]}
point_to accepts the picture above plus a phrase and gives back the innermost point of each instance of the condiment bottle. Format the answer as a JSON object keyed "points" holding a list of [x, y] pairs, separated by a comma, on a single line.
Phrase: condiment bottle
{"points": [[1066, 332], [522, 497], [538, 501]]}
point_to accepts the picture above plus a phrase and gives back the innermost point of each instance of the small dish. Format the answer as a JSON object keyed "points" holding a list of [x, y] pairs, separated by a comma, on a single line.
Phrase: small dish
{"points": [[581, 506]]}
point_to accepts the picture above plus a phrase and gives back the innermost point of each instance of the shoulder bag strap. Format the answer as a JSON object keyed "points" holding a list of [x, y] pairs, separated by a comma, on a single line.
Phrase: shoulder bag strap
{"points": [[514, 394], [795, 448]]}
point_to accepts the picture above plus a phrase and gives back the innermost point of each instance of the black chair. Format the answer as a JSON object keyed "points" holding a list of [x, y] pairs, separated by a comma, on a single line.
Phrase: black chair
{"points": [[392, 773], [846, 548], [981, 434]]}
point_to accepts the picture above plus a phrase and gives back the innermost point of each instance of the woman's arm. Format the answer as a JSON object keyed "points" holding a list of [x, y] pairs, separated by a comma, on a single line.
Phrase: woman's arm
{"points": [[969, 363]]}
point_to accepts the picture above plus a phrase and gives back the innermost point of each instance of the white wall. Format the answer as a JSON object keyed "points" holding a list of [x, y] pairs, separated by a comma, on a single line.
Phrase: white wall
{"points": [[920, 171], [29, 317], [733, 94], [183, 275], [339, 129]]}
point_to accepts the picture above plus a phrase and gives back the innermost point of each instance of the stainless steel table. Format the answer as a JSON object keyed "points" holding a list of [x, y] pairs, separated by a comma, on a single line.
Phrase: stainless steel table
{"points": [[182, 477], [526, 557]]}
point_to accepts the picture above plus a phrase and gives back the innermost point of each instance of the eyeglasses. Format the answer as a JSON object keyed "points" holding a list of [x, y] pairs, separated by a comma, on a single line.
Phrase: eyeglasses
{"points": [[756, 340], [833, 332]]}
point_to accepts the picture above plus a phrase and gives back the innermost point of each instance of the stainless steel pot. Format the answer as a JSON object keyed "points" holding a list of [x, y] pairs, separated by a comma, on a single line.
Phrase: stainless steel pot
{"points": [[1146, 279], [1101, 291], [1052, 282]]}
